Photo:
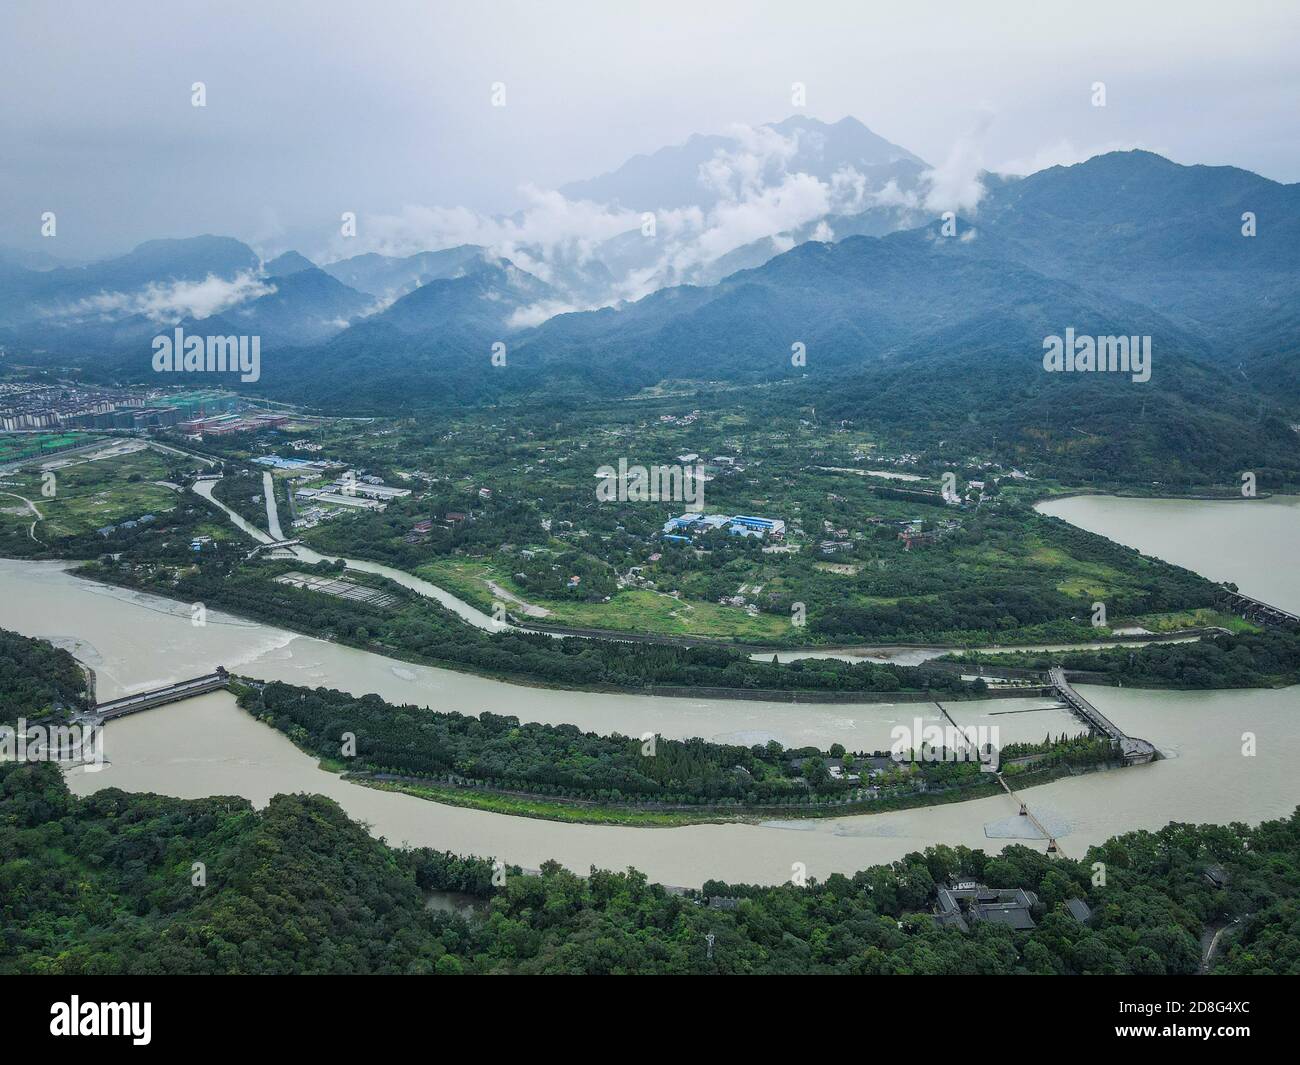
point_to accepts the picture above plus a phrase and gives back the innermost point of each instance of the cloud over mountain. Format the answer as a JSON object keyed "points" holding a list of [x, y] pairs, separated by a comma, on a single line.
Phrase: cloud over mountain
{"points": [[667, 218], [167, 301]]}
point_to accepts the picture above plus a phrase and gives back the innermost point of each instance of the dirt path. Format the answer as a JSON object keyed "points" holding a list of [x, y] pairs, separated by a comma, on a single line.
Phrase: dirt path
{"points": [[31, 531]]}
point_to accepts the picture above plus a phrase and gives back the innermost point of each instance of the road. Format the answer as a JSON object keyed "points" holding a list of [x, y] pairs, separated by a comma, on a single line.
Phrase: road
{"points": [[31, 531]]}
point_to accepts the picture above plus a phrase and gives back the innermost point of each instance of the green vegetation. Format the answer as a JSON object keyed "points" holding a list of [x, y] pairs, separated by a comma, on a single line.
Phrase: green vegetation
{"points": [[496, 762], [1195, 619], [87, 496], [551, 809], [103, 885], [1267, 659], [37, 680], [639, 610], [420, 630], [241, 490], [513, 518]]}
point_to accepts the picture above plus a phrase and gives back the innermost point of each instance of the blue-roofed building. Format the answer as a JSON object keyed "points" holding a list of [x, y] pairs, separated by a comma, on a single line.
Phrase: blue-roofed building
{"points": [[762, 526], [684, 522], [741, 525]]}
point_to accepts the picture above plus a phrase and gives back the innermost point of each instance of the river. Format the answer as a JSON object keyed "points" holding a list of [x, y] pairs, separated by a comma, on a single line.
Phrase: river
{"points": [[1250, 542], [208, 746], [135, 641]]}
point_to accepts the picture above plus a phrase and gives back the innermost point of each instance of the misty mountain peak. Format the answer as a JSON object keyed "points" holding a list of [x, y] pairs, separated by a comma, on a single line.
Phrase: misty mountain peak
{"points": [[291, 262], [685, 175]]}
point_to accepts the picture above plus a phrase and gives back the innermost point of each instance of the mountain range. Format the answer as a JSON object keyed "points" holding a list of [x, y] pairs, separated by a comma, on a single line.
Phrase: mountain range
{"points": [[1126, 243]]}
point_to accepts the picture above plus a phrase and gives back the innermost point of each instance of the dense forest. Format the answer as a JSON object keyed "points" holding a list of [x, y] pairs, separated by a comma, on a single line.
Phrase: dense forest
{"points": [[498, 751], [37, 680], [111, 883], [1270, 658], [501, 751]]}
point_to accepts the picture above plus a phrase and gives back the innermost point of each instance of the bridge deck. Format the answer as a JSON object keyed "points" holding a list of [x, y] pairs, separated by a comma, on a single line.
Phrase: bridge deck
{"points": [[171, 693], [1042, 829], [1134, 750]]}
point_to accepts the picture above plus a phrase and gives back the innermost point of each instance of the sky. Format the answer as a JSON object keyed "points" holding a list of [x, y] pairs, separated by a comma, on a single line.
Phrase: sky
{"points": [[385, 108]]}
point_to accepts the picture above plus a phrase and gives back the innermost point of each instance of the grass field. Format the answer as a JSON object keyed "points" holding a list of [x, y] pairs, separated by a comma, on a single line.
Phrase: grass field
{"points": [[86, 495], [1190, 619], [551, 811], [631, 610]]}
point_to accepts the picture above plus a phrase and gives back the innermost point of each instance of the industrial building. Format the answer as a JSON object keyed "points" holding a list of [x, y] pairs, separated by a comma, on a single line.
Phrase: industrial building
{"points": [[739, 525]]}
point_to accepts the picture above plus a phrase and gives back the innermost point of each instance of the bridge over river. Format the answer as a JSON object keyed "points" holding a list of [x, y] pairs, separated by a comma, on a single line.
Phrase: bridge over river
{"points": [[1135, 751], [171, 693]]}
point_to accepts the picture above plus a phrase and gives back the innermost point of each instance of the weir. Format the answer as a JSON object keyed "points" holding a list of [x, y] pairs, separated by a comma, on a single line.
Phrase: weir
{"points": [[172, 693], [271, 546], [1135, 751]]}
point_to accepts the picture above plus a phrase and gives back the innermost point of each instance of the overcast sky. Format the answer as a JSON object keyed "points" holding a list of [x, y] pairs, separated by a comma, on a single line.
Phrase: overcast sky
{"points": [[318, 107]]}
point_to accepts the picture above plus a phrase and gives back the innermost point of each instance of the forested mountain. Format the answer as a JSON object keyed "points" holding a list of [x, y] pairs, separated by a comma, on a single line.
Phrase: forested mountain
{"points": [[937, 328], [1136, 226], [304, 306], [426, 344], [854, 305], [291, 262], [388, 276], [106, 288], [935, 331]]}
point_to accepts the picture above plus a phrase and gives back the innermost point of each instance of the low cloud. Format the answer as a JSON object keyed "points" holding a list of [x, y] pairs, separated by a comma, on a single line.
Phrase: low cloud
{"points": [[955, 185], [550, 226], [537, 313], [749, 193], [170, 301]]}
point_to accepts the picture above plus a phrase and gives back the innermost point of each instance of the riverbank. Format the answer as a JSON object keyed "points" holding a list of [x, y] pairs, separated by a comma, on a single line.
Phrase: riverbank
{"points": [[244, 599], [206, 747], [545, 808], [1222, 539]]}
